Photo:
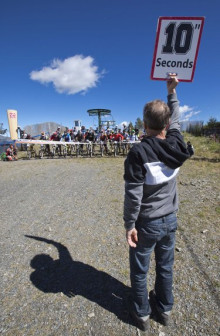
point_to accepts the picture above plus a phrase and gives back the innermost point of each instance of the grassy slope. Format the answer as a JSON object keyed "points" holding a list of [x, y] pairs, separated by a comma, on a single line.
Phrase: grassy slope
{"points": [[204, 147]]}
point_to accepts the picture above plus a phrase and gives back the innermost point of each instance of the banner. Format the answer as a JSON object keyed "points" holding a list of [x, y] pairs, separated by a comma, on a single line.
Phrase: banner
{"points": [[177, 47], [13, 123]]}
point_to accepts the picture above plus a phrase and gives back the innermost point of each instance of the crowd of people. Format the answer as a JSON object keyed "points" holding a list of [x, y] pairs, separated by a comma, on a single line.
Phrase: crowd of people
{"points": [[83, 135]]}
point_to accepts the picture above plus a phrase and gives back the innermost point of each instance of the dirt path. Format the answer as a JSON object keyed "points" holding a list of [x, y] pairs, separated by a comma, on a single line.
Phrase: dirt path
{"points": [[68, 276]]}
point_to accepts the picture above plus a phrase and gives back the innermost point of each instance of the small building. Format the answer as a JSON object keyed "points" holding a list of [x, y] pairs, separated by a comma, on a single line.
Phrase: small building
{"points": [[77, 124]]}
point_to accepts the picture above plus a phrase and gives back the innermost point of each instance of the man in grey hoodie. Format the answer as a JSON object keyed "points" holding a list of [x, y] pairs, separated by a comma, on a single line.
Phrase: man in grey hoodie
{"points": [[150, 207]]}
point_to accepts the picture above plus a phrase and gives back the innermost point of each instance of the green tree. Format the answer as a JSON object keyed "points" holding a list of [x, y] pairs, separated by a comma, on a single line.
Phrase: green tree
{"points": [[213, 123], [130, 127], [195, 128], [139, 124]]}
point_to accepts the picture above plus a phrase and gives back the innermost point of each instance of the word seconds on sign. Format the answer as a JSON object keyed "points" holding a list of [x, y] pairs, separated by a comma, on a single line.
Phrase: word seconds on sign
{"points": [[177, 45]]}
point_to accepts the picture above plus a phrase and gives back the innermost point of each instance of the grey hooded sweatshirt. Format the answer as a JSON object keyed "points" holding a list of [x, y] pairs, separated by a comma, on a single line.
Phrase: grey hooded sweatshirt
{"points": [[151, 168]]}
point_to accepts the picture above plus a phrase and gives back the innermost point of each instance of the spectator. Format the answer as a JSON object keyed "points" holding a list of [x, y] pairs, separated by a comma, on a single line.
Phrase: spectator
{"points": [[15, 152], [150, 207], [109, 134], [117, 136], [80, 136], [23, 134], [28, 137], [133, 136], [66, 136], [74, 131], [72, 136], [58, 131], [104, 139], [45, 137], [125, 134], [90, 136], [56, 136], [11, 153]]}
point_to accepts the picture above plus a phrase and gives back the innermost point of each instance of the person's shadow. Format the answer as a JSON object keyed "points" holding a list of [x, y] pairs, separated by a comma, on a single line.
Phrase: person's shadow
{"points": [[72, 278]]}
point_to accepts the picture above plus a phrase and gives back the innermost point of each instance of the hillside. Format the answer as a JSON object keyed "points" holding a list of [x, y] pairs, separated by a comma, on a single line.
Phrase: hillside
{"points": [[48, 127]]}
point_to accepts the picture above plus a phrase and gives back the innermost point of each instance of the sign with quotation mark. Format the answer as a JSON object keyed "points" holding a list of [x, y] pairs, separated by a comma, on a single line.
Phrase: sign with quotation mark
{"points": [[177, 47]]}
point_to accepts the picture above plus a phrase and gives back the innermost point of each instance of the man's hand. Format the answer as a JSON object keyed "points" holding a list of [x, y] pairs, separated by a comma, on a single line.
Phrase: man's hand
{"points": [[172, 83], [132, 238]]}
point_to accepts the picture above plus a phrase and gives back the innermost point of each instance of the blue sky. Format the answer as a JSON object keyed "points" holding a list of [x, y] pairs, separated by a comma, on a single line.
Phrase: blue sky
{"points": [[101, 51]]}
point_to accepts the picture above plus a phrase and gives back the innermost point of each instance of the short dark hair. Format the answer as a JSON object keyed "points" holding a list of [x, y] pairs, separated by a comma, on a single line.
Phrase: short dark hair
{"points": [[156, 114]]}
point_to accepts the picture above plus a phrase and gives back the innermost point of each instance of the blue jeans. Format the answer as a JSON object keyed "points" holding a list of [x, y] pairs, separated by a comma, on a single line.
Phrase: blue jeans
{"points": [[158, 235]]}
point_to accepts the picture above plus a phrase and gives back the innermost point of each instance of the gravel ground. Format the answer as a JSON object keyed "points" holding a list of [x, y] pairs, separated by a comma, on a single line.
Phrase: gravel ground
{"points": [[64, 259]]}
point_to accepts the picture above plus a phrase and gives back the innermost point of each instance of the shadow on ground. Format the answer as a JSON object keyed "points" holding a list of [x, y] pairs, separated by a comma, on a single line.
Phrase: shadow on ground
{"points": [[198, 158], [72, 278]]}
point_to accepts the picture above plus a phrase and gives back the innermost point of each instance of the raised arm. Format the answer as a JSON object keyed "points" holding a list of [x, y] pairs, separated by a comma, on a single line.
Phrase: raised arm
{"points": [[64, 254], [173, 102]]}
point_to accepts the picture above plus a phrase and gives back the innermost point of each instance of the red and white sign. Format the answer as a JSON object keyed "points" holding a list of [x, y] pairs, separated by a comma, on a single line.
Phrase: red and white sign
{"points": [[13, 123], [177, 47]]}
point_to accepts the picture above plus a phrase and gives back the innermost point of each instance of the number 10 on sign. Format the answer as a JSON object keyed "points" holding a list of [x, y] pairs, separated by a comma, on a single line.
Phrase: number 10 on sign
{"points": [[176, 47]]}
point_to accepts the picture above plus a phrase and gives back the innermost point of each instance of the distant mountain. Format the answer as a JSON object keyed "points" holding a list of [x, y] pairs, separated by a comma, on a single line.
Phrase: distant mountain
{"points": [[48, 127]]}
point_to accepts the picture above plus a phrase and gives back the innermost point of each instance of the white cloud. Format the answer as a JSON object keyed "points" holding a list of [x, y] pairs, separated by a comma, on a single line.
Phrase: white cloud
{"points": [[187, 112], [72, 75], [121, 125]]}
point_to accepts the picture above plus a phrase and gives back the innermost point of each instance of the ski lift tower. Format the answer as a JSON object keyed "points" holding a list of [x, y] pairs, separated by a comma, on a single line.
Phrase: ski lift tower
{"points": [[108, 123], [100, 113]]}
